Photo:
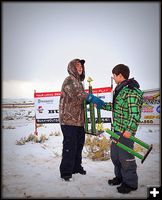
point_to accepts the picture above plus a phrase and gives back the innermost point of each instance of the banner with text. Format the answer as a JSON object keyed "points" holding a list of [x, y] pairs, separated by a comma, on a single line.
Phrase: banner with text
{"points": [[47, 105], [151, 107]]}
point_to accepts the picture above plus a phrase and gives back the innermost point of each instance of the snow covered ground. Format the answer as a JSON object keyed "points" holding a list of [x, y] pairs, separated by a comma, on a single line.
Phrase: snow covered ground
{"points": [[32, 170]]}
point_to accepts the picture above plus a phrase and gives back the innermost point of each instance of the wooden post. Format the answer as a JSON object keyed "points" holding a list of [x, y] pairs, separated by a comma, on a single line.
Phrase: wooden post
{"points": [[36, 131]]}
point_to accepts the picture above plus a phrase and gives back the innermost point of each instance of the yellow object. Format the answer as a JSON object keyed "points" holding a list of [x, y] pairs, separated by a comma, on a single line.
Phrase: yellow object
{"points": [[89, 80], [156, 95], [99, 127]]}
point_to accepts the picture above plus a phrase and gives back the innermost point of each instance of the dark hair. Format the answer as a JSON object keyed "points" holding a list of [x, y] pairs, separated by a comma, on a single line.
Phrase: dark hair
{"points": [[121, 69]]}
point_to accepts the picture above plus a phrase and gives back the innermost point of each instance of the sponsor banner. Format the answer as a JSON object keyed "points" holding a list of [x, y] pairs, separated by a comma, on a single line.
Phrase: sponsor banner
{"points": [[56, 120], [46, 94], [151, 107], [47, 105], [46, 121]]}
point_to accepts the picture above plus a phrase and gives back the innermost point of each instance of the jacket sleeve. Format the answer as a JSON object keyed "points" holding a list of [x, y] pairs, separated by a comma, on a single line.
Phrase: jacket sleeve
{"points": [[134, 112], [74, 89]]}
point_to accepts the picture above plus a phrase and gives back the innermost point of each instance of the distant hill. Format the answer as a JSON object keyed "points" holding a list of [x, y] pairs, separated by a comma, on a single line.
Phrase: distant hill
{"points": [[17, 100]]}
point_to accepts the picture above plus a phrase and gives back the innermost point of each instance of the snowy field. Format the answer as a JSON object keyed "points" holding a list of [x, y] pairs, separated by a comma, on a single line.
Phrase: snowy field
{"points": [[32, 170]]}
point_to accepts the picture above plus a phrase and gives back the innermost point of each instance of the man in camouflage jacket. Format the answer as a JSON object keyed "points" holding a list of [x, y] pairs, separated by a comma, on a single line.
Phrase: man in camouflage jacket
{"points": [[71, 118]]}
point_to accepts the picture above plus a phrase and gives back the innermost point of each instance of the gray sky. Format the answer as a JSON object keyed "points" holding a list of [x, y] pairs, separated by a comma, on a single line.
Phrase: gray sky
{"points": [[40, 39]]}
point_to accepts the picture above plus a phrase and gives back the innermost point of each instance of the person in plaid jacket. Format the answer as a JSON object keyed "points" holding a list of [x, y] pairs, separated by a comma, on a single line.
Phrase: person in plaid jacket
{"points": [[126, 108]]}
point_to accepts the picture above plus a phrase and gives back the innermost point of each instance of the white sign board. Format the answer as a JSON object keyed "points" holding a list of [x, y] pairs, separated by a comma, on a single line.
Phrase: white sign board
{"points": [[47, 105]]}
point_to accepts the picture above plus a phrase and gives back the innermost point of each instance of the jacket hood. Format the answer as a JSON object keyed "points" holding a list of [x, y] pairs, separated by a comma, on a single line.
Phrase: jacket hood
{"points": [[73, 71], [130, 83]]}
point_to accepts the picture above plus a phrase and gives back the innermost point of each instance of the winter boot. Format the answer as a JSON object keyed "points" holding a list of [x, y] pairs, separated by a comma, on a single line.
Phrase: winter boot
{"points": [[80, 171], [125, 189], [115, 181], [66, 177]]}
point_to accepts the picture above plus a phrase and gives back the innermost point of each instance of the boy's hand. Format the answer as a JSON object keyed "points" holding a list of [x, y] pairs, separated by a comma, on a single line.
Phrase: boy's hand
{"points": [[127, 134]]}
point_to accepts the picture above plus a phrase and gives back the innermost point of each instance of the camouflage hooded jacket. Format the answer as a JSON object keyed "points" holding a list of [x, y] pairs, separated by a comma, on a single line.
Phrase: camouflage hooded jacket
{"points": [[71, 107]]}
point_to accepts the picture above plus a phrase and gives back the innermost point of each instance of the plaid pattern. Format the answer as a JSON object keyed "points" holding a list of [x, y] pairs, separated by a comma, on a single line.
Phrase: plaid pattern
{"points": [[127, 110]]}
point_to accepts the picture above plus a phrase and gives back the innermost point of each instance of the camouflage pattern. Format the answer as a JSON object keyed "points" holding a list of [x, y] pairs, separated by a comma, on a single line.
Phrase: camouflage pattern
{"points": [[71, 107]]}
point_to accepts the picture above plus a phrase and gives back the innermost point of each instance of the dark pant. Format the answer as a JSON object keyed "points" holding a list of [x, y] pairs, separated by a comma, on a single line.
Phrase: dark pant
{"points": [[124, 163], [73, 142]]}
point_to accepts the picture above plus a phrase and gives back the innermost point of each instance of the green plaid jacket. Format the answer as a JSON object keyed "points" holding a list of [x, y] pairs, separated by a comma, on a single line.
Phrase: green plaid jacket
{"points": [[127, 110]]}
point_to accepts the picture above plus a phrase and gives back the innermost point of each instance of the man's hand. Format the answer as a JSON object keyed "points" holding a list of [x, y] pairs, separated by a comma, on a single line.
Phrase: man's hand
{"points": [[127, 134]]}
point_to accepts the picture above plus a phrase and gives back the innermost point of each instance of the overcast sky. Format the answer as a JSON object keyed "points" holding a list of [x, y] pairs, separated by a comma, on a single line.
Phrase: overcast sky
{"points": [[40, 39]]}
